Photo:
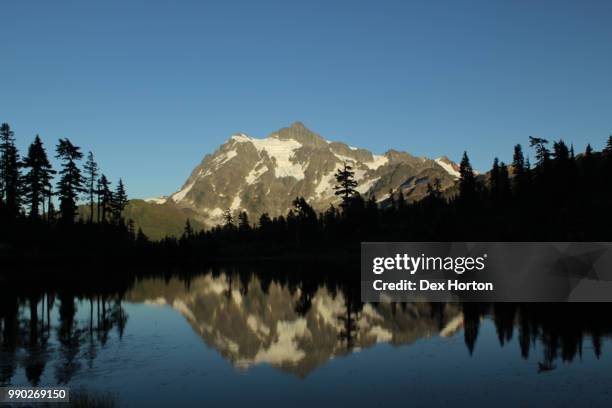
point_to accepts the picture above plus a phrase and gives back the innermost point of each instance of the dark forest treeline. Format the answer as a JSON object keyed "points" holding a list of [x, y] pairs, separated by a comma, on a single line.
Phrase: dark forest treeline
{"points": [[562, 197], [30, 189]]}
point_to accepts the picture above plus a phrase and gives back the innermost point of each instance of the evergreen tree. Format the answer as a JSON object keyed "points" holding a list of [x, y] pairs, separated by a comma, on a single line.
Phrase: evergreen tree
{"points": [[587, 162], [188, 232], [528, 172], [265, 226], [467, 179], [141, 238], [303, 210], [518, 167], [561, 154], [37, 181], [542, 152], [607, 153], [10, 188], [500, 182], [264, 220], [503, 183], [345, 188], [608, 149], [105, 198], [494, 178], [50, 211], [330, 217], [304, 220], [91, 177], [518, 160], [229, 219], [243, 221], [71, 180], [119, 201]]}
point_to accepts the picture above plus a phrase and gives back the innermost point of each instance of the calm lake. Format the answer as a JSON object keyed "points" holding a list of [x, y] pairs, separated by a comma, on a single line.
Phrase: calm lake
{"points": [[232, 337]]}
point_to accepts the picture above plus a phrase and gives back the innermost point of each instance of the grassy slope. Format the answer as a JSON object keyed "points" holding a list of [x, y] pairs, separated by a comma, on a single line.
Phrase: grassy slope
{"points": [[156, 221]]}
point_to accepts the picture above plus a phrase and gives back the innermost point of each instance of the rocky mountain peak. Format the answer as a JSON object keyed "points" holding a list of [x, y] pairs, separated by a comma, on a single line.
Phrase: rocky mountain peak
{"points": [[300, 133], [265, 175]]}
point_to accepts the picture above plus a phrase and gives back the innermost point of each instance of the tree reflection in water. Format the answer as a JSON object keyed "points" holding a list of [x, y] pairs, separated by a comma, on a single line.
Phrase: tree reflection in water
{"points": [[289, 322], [27, 326]]}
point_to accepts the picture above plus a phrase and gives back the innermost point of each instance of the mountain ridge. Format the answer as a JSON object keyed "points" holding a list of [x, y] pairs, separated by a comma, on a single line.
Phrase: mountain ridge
{"points": [[265, 175]]}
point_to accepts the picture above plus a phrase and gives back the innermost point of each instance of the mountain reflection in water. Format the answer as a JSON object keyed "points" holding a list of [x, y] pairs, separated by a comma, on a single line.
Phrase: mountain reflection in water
{"points": [[50, 337], [291, 328]]}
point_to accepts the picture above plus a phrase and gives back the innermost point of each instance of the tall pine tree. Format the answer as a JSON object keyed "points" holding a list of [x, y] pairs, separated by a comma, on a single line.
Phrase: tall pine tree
{"points": [[105, 199], [119, 201], [345, 188], [503, 183], [542, 152], [467, 179], [37, 180], [494, 179], [70, 184], [10, 188], [519, 182], [91, 177], [608, 149]]}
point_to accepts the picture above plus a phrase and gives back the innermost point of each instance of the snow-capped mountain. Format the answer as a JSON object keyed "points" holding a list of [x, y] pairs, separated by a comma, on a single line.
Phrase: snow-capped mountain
{"points": [[265, 175]]}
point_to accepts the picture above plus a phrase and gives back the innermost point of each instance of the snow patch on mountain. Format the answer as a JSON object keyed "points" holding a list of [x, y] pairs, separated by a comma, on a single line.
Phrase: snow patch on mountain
{"points": [[345, 159], [377, 162], [447, 167], [367, 185], [215, 212], [326, 184], [257, 171], [281, 151], [241, 137], [157, 200], [224, 158], [176, 197]]}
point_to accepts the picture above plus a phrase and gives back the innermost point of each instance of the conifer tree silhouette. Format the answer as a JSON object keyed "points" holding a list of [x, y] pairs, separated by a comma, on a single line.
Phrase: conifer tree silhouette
{"points": [[608, 149], [229, 220], [188, 232], [519, 182], [119, 201], [10, 176], [467, 180], [503, 183], [91, 178], [71, 180], [542, 152], [345, 188], [105, 198], [494, 179], [37, 180], [243, 222]]}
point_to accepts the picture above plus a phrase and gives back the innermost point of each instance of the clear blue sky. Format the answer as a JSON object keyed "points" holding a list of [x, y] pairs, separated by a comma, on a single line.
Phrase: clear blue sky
{"points": [[152, 86]]}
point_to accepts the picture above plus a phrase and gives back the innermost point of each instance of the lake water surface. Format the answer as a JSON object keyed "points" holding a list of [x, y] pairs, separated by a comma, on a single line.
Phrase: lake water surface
{"points": [[240, 337]]}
